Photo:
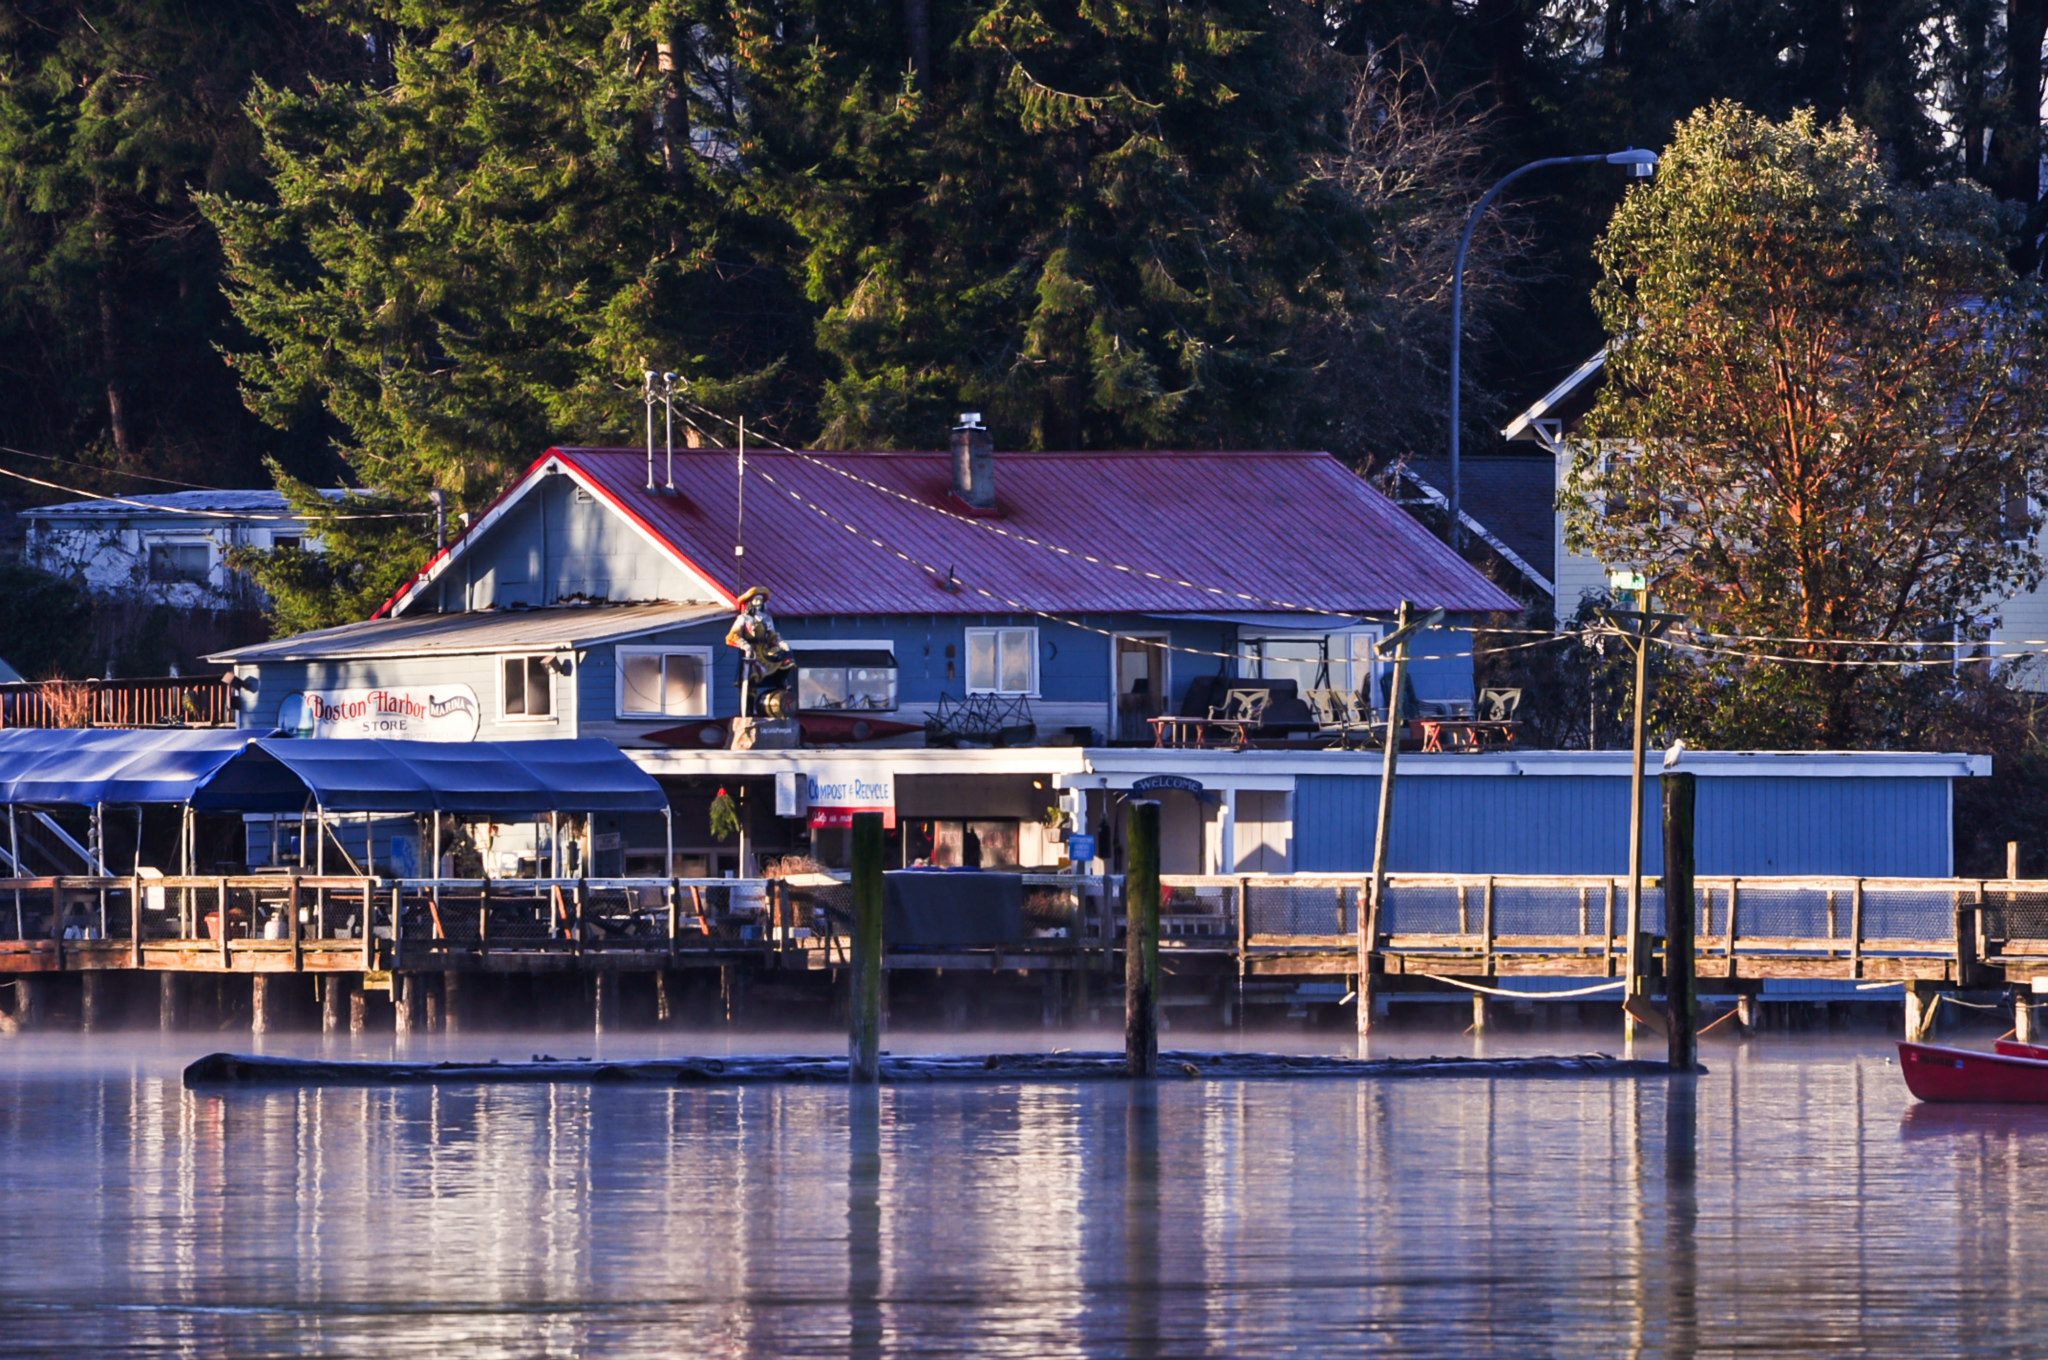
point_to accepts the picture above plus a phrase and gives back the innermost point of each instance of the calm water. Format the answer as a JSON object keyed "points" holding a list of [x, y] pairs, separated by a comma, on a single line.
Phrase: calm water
{"points": [[1790, 1201]]}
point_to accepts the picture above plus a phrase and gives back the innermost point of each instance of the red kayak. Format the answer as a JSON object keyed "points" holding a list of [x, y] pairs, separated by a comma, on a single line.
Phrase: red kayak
{"points": [[1967, 1076]]}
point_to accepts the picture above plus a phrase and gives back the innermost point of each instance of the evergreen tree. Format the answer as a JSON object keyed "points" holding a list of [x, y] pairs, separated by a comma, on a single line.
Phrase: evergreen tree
{"points": [[109, 306], [473, 255], [1103, 224]]}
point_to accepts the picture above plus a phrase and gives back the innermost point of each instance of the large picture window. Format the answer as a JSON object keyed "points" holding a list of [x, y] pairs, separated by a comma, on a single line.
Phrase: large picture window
{"points": [[664, 682], [860, 679], [526, 687], [1002, 661], [1341, 661]]}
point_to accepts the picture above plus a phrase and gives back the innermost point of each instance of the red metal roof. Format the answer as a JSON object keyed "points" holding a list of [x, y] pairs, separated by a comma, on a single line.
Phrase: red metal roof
{"points": [[1264, 528]]}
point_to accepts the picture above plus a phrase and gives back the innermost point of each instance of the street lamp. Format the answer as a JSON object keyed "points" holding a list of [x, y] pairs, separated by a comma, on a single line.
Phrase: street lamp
{"points": [[1640, 164]]}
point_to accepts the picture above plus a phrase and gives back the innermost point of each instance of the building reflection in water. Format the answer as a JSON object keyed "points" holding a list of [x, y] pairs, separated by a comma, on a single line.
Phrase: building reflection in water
{"points": [[1777, 1203]]}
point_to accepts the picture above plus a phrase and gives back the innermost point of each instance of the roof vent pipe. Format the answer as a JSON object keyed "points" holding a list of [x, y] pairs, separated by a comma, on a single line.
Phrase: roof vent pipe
{"points": [[647, 376], [974, 462]]}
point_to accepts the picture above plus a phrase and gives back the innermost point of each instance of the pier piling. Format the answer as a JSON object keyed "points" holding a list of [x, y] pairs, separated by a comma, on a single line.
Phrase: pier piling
{"points": [[408, 1003], [264, 1003], [170, 1001], [1141, 940], [333, 1002], [93, 1002], [864, 1016], [1681, 1000], [1920, 1008], [2022, 1015]]}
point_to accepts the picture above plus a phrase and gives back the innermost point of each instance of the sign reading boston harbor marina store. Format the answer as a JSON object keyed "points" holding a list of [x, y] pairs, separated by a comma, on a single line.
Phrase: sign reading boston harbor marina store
{"points": [[436, 713], [835, 793]]}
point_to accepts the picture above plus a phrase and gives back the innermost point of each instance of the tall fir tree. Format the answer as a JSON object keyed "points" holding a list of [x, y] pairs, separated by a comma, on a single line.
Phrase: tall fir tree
{"points": [[110, 314]]}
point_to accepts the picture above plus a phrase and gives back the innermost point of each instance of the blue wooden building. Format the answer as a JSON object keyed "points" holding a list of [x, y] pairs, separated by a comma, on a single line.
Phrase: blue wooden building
{"points": [[1079, 593]]}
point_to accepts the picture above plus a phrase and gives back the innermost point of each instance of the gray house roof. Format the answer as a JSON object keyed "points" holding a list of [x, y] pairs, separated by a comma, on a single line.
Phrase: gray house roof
{"points": [[477, 632], [220, 504]]}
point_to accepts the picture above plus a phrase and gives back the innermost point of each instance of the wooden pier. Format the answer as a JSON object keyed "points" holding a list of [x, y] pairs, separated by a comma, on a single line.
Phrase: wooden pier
{"points": [[1227, 941]]}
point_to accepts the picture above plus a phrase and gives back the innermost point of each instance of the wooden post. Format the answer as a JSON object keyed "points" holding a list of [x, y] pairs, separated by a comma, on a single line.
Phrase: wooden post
{"points": [[1383, 824], [297, 933], [2012, 860], [606, 984], [135, 921], [1733, 924], [92, 1001], [1637, 965], [220, 886], [408, 997], [1856, 931], [1681, 1002], [1479, 1012], [1141, 940], [262, 1004], [1921, 1003], [2022, 1015], [333, 1002], [170, 1001], [864, 1015]]}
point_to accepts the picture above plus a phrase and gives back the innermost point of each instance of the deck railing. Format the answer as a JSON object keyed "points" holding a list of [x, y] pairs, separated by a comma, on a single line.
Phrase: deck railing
{"points": [[157, 701]]}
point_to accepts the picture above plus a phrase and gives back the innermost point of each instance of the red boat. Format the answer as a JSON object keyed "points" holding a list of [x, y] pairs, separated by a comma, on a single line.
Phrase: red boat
{"points": [[1967, 1076], [2013, 1048]]}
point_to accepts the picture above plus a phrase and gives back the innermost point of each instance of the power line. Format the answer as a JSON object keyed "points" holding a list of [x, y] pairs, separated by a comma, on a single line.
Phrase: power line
{"points": [[156, 508], [118, 472]]}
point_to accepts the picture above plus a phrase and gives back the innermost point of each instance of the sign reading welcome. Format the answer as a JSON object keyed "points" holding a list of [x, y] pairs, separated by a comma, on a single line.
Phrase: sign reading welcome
{"points": [[436, 713], [835, 793]]}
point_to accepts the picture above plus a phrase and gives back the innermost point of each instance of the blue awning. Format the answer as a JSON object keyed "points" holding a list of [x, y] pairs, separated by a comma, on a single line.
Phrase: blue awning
{"points": [[470, 778], [247, 771], [71, 766]]}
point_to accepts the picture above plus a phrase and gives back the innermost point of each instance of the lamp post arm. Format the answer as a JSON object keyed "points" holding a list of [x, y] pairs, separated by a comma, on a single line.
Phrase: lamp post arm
{"points": [[1458, 312]]}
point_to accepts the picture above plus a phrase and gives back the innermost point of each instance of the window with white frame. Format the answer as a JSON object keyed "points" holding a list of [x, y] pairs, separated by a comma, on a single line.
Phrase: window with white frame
{"points": [[180, 559], [526, 687], [1002, 661], [664, 682]]}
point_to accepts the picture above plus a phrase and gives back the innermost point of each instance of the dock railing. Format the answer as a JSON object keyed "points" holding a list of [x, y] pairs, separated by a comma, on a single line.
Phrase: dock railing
{"points": [[388, 922]]}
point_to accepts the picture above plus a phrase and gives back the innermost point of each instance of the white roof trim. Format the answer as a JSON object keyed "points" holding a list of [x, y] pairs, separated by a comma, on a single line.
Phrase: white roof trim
{"points": [[1524, 426], [1486, 535], [550, 465], [1117, 765]]}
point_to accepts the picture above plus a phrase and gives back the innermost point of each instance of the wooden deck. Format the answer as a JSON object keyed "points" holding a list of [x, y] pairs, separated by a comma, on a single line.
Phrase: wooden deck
{"points": [[1439, 930]]}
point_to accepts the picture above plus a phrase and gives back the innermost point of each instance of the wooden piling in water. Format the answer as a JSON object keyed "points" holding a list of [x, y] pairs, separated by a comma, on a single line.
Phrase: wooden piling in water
{"points": [[171, 1003], [1921, 1003], [333, 1002], [93, 1009], [1141, 940], [2022, 1015], [864, 1014], [1681, 997]]}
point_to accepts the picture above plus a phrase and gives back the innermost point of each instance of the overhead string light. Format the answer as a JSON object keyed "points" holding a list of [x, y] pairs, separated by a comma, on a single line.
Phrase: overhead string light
{"points": [[949, 579], [1093, 559]]}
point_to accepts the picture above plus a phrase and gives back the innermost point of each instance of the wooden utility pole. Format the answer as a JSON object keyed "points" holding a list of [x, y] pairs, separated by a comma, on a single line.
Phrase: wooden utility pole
{"points": [[1141, 939], [1643, 628], [864, 1015], [1681, 1000], [1369, 918]]}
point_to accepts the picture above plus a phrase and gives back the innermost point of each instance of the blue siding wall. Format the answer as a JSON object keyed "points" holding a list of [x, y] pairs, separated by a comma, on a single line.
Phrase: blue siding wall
{"points": [[1523, 824], [1073, 658]]}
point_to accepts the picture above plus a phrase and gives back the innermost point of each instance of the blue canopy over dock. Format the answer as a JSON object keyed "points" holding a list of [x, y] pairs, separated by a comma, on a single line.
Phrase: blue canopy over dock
{"points": [[238, 771]]}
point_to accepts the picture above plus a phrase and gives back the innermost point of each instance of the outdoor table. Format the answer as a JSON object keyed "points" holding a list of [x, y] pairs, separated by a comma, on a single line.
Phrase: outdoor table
{"points": [[1182, 733]]}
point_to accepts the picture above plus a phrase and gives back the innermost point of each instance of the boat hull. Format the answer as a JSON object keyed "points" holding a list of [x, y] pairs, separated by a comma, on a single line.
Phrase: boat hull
{"points": [[2013, 1048], [1967, 1076]]}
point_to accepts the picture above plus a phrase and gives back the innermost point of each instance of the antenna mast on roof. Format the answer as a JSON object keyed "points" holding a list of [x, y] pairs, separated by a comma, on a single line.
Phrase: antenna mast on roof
{"points": [[668, 402], [739, 529], [647, 376]]}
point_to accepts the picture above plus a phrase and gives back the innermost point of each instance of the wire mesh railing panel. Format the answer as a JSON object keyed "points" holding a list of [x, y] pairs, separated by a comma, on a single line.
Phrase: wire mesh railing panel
{"points": [[1302, 909], [1800, 912], [1429, 909], [2015, 914], [1206, 911], [1893, 912], [1547, 909]]}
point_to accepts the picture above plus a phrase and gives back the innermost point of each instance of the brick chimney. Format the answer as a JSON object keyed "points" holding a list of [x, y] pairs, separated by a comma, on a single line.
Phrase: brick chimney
{"points": [[974, 462]]}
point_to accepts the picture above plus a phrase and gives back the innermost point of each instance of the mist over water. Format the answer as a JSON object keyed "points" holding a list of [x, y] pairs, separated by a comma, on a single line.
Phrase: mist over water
{"points": [[1789, 1201]]}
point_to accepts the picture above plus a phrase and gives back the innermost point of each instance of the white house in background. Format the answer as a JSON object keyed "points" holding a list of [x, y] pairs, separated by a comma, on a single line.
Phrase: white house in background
{"points": [[168, 549], [1553, 423]]}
